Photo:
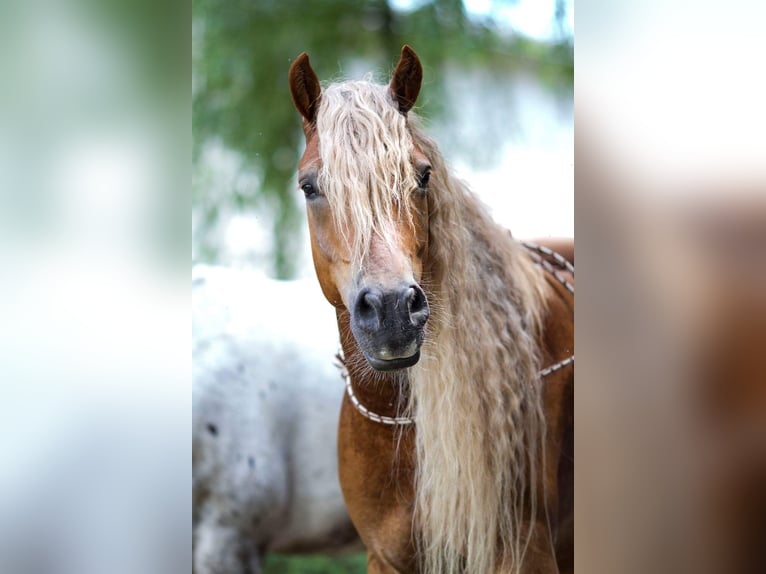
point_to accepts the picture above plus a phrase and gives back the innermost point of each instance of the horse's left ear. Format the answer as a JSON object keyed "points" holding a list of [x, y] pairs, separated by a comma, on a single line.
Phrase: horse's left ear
{"points": [[405, 83], [304, 87]]}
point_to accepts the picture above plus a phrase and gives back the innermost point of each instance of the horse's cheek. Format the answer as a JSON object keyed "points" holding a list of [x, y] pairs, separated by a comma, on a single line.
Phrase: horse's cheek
{"points": [[324, 271]]}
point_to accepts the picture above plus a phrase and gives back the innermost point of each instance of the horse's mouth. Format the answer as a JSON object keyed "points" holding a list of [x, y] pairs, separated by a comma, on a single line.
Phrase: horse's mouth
{"points": [[392, 364]]}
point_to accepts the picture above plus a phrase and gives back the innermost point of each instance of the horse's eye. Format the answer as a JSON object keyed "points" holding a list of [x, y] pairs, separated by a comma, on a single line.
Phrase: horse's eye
{"points": [[424, 178], [308, 189]]}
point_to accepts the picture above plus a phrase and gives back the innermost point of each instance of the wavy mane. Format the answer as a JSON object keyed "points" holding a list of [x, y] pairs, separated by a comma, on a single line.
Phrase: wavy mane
{"points": [[475, 393]]}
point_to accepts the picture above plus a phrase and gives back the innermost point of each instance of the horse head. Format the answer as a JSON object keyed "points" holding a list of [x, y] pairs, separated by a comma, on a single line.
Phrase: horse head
{"points": [[366, 183]]}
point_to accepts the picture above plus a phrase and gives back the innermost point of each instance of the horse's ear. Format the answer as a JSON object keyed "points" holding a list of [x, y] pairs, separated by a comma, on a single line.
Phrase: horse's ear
{"points": [[405, 83], [304, 87]]}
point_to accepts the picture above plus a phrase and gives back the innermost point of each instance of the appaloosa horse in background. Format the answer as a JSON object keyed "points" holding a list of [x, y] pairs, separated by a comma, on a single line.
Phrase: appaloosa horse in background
{"points": [[456, 432], [266, 394]]}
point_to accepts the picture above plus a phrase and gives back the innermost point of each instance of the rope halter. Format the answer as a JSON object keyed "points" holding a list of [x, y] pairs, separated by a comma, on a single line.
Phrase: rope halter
{"points": [[541, 256]]}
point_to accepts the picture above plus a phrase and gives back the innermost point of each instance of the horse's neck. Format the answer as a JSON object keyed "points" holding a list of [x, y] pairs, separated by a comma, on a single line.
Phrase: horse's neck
{"points": [[382, 393]]}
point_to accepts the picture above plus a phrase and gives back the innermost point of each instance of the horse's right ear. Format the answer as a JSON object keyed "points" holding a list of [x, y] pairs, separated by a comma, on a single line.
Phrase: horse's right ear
{"points": [[304, 87]]}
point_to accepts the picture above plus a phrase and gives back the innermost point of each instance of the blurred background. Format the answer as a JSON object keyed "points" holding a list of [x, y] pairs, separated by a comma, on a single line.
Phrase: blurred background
{"points": [[497, 97], [94, 293]]}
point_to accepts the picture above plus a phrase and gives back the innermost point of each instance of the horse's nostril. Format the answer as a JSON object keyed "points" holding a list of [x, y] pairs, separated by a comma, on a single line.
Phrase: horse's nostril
{"points": [[368, 307], [371, 301], [410, 296], [366, 304], [416, 299], [417, 305]]}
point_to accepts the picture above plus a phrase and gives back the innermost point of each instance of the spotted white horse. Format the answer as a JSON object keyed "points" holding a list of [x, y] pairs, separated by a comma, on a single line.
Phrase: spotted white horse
{"points": [[266, 399]]}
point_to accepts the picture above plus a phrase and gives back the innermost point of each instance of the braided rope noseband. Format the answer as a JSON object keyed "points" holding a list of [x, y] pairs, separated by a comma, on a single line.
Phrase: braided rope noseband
{"points": [[382, 419], [539, 252]]}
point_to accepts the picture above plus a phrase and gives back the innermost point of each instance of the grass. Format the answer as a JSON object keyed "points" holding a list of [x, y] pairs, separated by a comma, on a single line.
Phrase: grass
{"points": [[315, 564]]}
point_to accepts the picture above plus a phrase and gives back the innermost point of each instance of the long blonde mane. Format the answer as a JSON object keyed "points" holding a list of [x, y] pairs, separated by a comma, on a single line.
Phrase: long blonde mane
{"points": [[366, 175], [475, 393]]}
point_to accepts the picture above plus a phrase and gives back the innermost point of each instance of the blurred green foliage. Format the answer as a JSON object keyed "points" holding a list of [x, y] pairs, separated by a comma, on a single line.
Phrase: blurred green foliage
{"points": [[241, 53], [353, 564]]}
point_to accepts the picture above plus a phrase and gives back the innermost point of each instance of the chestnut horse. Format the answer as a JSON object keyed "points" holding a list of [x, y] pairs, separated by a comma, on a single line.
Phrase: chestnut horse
{"points": [[455, 445]]}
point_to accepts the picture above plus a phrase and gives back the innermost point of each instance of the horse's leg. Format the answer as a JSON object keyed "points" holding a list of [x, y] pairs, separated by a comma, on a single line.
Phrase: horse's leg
{"points": [[223, 549], [255, 563]]}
